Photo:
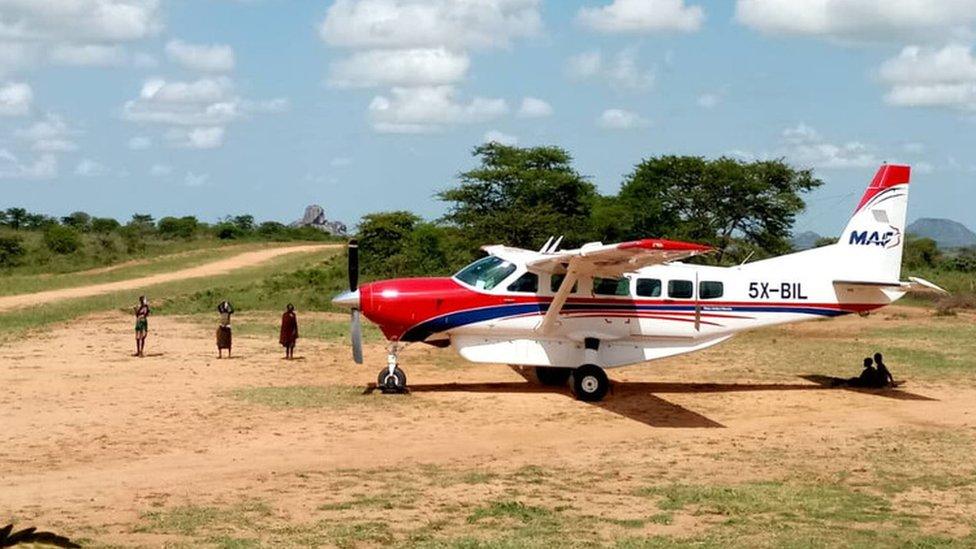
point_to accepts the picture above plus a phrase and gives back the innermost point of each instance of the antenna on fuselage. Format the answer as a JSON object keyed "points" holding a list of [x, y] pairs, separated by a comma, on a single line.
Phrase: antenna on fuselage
{"points": [[545, 246], [555, 245]]}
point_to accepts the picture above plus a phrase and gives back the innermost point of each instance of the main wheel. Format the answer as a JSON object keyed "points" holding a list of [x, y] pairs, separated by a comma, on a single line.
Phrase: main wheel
{"points": [[590, 383], [553, 377], [397, 381]]}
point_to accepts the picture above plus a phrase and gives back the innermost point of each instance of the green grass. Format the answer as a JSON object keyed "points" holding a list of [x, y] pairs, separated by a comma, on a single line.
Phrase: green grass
{"points": [[206, 252], [170, 295], [308, 328], [299, 396]]}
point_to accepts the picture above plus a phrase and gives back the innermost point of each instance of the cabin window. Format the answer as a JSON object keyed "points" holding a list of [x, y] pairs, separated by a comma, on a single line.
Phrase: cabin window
{"points": [[557, 280], [528, 282], [611, 286], [648, 287], [680, 289], [486, 273], [710, 289]]}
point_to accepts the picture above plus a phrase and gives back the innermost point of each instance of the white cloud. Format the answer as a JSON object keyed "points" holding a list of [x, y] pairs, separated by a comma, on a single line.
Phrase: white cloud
{"points": [[196, 180], [397, 24], [44, 167], [427, 109], [642, 16], [622, 71], [89, 168], [806, 147], [619, 119], [495, 136], [197, 138], [860, 20], [160, 170], [140, 143], [51, 134], [709, 100], [533, 107], [927, 77], [201, 57], [15, 99], [73, 32], [410, 67]]}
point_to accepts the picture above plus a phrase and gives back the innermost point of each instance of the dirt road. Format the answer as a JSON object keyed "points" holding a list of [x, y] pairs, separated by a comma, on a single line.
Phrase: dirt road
{"points": [[95, 439], [246, 259]]}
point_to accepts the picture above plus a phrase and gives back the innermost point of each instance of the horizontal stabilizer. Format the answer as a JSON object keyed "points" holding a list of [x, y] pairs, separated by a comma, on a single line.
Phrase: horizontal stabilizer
{"points": [[915, 284]]}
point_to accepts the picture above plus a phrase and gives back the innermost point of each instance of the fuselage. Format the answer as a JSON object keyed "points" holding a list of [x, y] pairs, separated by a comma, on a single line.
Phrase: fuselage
{"points": [[650, 313]]}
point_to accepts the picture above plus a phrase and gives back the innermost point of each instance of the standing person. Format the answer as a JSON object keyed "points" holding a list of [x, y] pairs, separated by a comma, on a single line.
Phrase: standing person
{"points": [[223, 331], [885, 379], [289, 331], [142, 325]]}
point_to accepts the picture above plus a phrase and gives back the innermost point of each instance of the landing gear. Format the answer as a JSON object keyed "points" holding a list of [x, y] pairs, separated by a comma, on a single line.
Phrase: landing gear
{"points": [[590, 383], [392, 379], [553, 377]]}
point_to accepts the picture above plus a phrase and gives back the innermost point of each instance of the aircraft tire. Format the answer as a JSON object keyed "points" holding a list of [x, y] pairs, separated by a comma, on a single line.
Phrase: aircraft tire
{"points": [[590, 383], [394, 383], [552, 377]]}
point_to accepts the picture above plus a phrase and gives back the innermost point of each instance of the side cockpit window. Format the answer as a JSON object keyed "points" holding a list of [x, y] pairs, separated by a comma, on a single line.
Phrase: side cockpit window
{"points": [[528, 282], [556, 280]]}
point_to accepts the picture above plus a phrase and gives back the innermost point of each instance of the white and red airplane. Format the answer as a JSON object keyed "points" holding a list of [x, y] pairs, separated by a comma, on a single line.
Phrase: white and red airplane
{"points": [[575, 313]]}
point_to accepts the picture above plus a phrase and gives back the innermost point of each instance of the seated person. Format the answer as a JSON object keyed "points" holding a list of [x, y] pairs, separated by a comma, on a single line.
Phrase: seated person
{"points": [[885, 379]]}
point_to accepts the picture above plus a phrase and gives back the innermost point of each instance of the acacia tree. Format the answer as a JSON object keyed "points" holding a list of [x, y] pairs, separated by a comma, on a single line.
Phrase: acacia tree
{"points": [[733, 205], [521, 196]]}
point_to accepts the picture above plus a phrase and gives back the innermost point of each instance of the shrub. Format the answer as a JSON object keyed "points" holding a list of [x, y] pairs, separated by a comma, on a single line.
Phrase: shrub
{"points": [[104, 225], [178, 227], [61, 240], [11, 250], [227, 231]]}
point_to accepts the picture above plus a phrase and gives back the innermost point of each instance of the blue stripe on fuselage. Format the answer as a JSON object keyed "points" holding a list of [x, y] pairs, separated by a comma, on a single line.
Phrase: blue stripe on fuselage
{"points": [[453, 320]]}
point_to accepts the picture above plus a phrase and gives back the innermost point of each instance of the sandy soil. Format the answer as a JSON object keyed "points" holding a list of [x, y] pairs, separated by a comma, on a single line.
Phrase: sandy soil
{"points": [[94, 437], [247, 259]]}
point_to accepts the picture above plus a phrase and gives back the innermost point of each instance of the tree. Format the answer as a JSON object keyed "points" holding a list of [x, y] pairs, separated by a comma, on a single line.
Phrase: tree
{"points": [[104, 225], [382, 238], [964, 261], [16, 217], [521, 196], [11, 250], [178, 227], [243, 222], [731, 204], [825, 241], [62, 240], [920, 253], [142, 224], [35, 221], [80, 221]]}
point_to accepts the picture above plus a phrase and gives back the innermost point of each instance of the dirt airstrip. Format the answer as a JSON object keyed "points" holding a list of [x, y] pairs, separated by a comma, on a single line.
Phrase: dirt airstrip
{"points": [[94, 439]]}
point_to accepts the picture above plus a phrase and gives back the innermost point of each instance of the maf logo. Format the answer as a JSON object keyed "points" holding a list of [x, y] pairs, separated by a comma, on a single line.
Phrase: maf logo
{"points": [[887, 239]]}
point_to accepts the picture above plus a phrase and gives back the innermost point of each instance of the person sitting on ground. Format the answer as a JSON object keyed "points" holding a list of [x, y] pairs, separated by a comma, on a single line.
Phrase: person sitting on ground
{"points": [[289, 331], [868, 377], [224, 338], [142, 325], [885, 379]]}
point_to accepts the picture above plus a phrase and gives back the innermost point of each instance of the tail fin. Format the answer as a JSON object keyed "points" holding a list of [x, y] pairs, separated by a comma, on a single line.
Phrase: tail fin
{"points": [[872, 243]]}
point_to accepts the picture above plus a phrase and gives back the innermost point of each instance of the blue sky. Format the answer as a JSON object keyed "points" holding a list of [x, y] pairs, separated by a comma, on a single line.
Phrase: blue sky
{"points": [[215, 107]]}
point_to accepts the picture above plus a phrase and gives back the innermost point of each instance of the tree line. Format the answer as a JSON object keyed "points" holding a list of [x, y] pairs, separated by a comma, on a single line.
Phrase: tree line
{"points": [[79, 232]]}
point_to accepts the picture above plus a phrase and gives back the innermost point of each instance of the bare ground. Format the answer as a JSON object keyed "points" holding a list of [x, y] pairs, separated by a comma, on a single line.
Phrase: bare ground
{"points": [[96, 442]]}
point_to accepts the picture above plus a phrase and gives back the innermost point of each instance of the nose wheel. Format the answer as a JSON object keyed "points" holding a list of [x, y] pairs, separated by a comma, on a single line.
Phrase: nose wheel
{"points": [[392, 379]]}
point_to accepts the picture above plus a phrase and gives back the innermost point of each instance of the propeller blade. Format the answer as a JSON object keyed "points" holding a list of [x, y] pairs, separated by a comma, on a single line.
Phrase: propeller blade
{"points": [[356, 331], [353, 265]]}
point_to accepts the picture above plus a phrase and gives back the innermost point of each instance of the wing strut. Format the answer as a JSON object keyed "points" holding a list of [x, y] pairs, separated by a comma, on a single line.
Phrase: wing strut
{"points": [[572, 274]]}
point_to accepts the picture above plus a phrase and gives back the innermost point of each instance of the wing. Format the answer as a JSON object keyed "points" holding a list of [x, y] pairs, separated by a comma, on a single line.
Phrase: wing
{"points": [[607, 260], [616, 259]]}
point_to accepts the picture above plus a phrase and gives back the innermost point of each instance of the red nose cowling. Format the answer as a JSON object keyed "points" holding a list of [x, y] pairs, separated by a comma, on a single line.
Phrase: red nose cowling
{"points": [[397, 305]]}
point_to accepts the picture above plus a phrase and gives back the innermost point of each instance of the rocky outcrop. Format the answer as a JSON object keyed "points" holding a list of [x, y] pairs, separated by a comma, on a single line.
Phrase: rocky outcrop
{"points": [[315, 217]]}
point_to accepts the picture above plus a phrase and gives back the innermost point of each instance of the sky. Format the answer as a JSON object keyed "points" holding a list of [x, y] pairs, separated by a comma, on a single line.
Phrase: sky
{"points": [[219, 107]]}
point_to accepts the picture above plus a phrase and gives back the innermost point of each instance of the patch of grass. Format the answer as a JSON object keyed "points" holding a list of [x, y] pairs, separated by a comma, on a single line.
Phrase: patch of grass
{"points": [[16, 323], [299, 396], [188, 520], [356, 533], [783, 502], [308, 328]]}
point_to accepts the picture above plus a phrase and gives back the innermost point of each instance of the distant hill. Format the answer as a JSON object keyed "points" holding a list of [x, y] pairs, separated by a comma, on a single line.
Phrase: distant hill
{"points": [[945, 232], [805, 240]]}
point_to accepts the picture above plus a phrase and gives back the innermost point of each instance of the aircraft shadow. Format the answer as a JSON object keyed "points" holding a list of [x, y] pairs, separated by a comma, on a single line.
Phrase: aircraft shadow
{"points": [[639, 400]]}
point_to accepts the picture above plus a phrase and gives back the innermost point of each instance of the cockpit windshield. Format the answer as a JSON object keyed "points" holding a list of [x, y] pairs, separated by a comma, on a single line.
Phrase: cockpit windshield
{"points": [[486, 273]]}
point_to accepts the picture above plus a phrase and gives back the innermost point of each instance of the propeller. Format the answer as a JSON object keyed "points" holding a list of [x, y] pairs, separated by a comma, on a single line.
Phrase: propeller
{"points": [[355, 328]]}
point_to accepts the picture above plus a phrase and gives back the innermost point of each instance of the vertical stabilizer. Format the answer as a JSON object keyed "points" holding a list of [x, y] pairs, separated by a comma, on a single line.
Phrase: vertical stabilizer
{"points": [[870, 248]]}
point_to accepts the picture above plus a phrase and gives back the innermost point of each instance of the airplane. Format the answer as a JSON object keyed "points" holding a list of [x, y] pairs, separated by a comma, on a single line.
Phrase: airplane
{"points": [[572, 314]]}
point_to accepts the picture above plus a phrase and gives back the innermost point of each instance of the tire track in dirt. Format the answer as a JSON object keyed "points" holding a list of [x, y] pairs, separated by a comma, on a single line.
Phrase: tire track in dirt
{"points": [[222, 266]]}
